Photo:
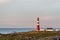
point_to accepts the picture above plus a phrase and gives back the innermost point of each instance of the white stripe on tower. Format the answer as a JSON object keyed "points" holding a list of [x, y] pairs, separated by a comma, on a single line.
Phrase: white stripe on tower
{"points": [[37, 21], [37, 24]]}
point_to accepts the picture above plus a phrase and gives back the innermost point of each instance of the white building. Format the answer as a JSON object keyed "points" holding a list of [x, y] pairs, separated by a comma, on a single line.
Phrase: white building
{"points": [[57, 30], [49, 29], [42, 29]]}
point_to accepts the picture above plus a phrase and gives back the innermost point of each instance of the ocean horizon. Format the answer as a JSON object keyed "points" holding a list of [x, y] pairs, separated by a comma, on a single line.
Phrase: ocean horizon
{"points": [[12, 30]]}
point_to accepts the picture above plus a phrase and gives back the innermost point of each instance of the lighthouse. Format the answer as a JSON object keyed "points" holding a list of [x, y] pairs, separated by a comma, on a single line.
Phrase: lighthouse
{"points": [[37, 25]]}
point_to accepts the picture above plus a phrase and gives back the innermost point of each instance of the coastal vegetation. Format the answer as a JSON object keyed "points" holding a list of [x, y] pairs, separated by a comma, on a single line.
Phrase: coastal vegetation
{"points": [[31, 35]]}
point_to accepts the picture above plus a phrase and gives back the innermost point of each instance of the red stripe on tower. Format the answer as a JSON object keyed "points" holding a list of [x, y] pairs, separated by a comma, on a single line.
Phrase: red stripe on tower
{"points": [[37, 26]]}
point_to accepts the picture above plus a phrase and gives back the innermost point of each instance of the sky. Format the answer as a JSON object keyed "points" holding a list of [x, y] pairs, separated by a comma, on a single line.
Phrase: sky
{"points": [[23, 13]]}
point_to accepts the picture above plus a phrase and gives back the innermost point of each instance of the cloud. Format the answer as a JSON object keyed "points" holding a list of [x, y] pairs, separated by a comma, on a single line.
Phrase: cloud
{"points": [[5, 1], [48, 18]]}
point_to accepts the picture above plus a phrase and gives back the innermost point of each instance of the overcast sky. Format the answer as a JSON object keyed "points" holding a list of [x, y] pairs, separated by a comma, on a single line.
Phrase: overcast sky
{"points": [[23, 13]]}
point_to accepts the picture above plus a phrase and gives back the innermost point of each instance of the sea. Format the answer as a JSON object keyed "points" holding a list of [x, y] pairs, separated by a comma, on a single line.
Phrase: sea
{"points": [[12, 30]]}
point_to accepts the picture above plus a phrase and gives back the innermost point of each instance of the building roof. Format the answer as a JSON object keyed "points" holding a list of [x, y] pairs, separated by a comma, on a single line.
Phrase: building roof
{"points": [[49, 28]]}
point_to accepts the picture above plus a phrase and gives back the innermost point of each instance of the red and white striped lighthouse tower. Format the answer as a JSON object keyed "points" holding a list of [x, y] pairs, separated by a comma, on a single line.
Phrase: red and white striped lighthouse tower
{"points": [[37, 25]]}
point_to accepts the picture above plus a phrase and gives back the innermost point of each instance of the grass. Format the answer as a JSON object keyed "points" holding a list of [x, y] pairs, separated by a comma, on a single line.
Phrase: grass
{"points": [[32, 35]]}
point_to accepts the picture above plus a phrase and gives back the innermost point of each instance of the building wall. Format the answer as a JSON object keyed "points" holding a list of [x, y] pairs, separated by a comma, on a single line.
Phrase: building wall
{"points": [[49, 30], [42, 29]]}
